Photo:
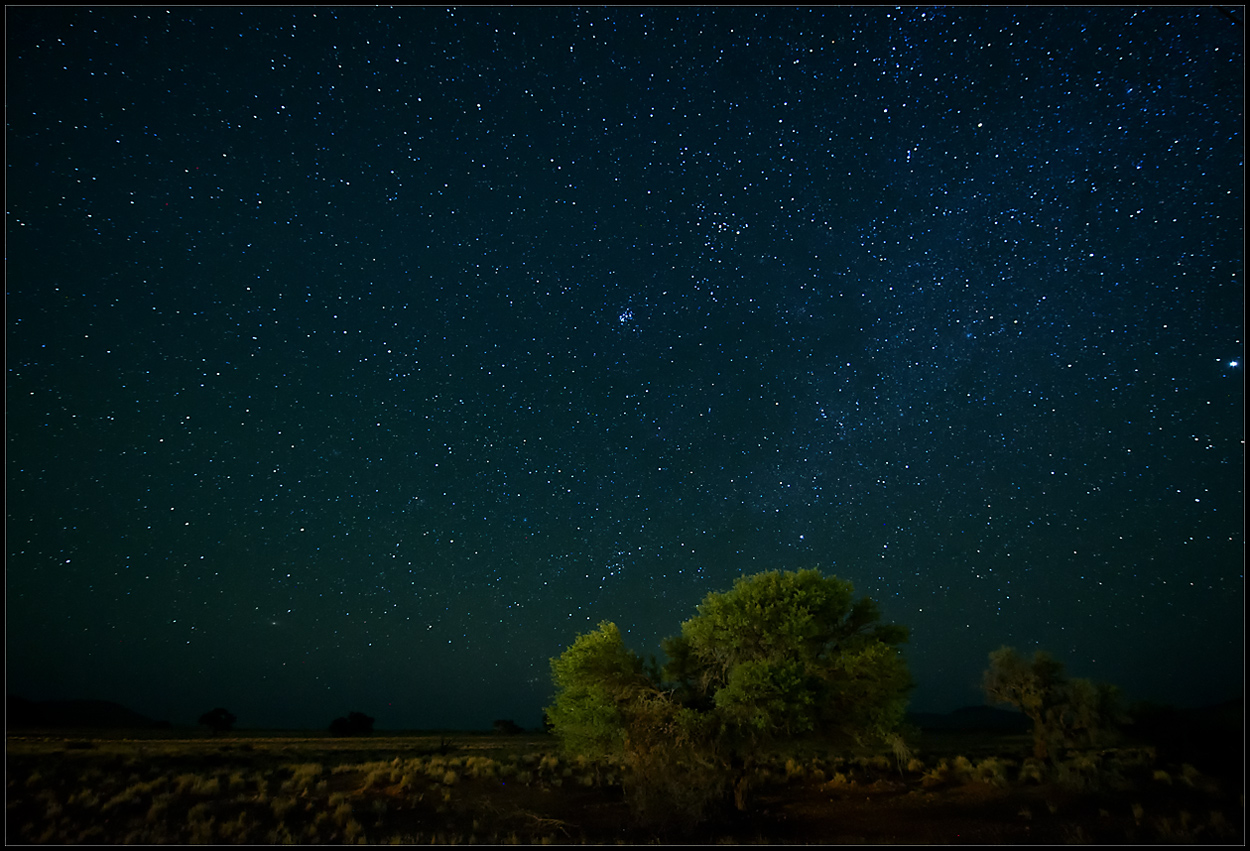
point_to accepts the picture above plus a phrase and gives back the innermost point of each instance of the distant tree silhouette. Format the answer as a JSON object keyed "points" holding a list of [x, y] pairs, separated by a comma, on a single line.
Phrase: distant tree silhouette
{"points": [[355, 724], [218, 720], [1066, 713], [507, 727]]}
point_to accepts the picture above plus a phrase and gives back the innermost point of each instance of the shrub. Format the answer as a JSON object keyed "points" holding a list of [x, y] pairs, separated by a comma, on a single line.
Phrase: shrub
{"points": [[936, 776], [281, 806], [1079, 771], [378, 777], [1033, 771], [208, 787], [303, 777], [992, 770], [839, 781], [962, 768]]}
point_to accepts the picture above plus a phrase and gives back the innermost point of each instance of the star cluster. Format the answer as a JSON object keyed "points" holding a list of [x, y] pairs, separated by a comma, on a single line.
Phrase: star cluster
{"points": [[359, 359]]}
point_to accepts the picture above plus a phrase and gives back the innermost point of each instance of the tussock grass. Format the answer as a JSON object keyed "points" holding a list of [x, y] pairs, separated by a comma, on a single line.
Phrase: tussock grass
{"points": [[1032, 771], [993, 770], [285, 792], [303, 777]]}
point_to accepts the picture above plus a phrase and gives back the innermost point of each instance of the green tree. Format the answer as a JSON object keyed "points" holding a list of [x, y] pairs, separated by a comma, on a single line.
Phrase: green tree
{"points": [[1066, 713], [778, 656], [598, 681]]}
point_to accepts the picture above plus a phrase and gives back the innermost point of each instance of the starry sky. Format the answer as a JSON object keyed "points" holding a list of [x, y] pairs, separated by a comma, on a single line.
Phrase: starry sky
{"points": [[360, 359]]}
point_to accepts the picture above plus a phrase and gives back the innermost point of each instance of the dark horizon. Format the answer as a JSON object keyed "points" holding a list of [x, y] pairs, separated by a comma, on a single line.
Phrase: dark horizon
{"points": [[156, 724], [360, 359], [382, 724]]}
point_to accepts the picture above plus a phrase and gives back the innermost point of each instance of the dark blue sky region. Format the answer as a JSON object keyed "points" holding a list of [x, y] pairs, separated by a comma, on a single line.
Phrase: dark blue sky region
{"points": [[359, 359]]}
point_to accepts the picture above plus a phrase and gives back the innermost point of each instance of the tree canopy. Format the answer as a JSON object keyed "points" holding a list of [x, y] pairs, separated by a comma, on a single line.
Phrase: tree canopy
{"points": [[783, 654], [596, 679], [1066, 713], [779, 655]]}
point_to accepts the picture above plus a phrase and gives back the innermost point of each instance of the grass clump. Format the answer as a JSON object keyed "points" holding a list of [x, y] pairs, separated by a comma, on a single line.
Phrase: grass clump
{"points": [[937, 775], [281, 806], [1032, 771], [1080, 771], [992, 770], [303, 777]]}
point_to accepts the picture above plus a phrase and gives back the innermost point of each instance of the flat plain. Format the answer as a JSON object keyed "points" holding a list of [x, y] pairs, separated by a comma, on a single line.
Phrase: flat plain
{"points": [[186, 787]]}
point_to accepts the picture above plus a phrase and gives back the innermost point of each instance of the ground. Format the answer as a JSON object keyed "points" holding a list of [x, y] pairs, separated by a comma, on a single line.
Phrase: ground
{"points": [[257, 788]]}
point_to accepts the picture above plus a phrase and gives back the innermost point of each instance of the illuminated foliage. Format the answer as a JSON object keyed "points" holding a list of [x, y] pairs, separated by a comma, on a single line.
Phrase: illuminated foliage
{"points": [[1065, 713], [778, 656]]}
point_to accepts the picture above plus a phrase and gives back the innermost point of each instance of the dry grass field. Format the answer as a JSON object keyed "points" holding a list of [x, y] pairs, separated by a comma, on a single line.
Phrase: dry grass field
{"points": [[465, 788]]}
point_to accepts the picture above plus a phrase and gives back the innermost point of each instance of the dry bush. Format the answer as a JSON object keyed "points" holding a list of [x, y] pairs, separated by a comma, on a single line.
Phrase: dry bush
{"points": [[993, 770], [1032, 771], [303, 777]]}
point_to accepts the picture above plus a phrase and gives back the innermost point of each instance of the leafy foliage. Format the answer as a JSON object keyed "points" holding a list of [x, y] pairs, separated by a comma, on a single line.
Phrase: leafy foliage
{"points": [[784, 654], [1066, 713], [597, 680], [780, 655]]}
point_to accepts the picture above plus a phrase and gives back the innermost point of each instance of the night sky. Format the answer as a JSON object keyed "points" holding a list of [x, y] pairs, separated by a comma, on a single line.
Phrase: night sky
{"points": [[360, 359]]}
